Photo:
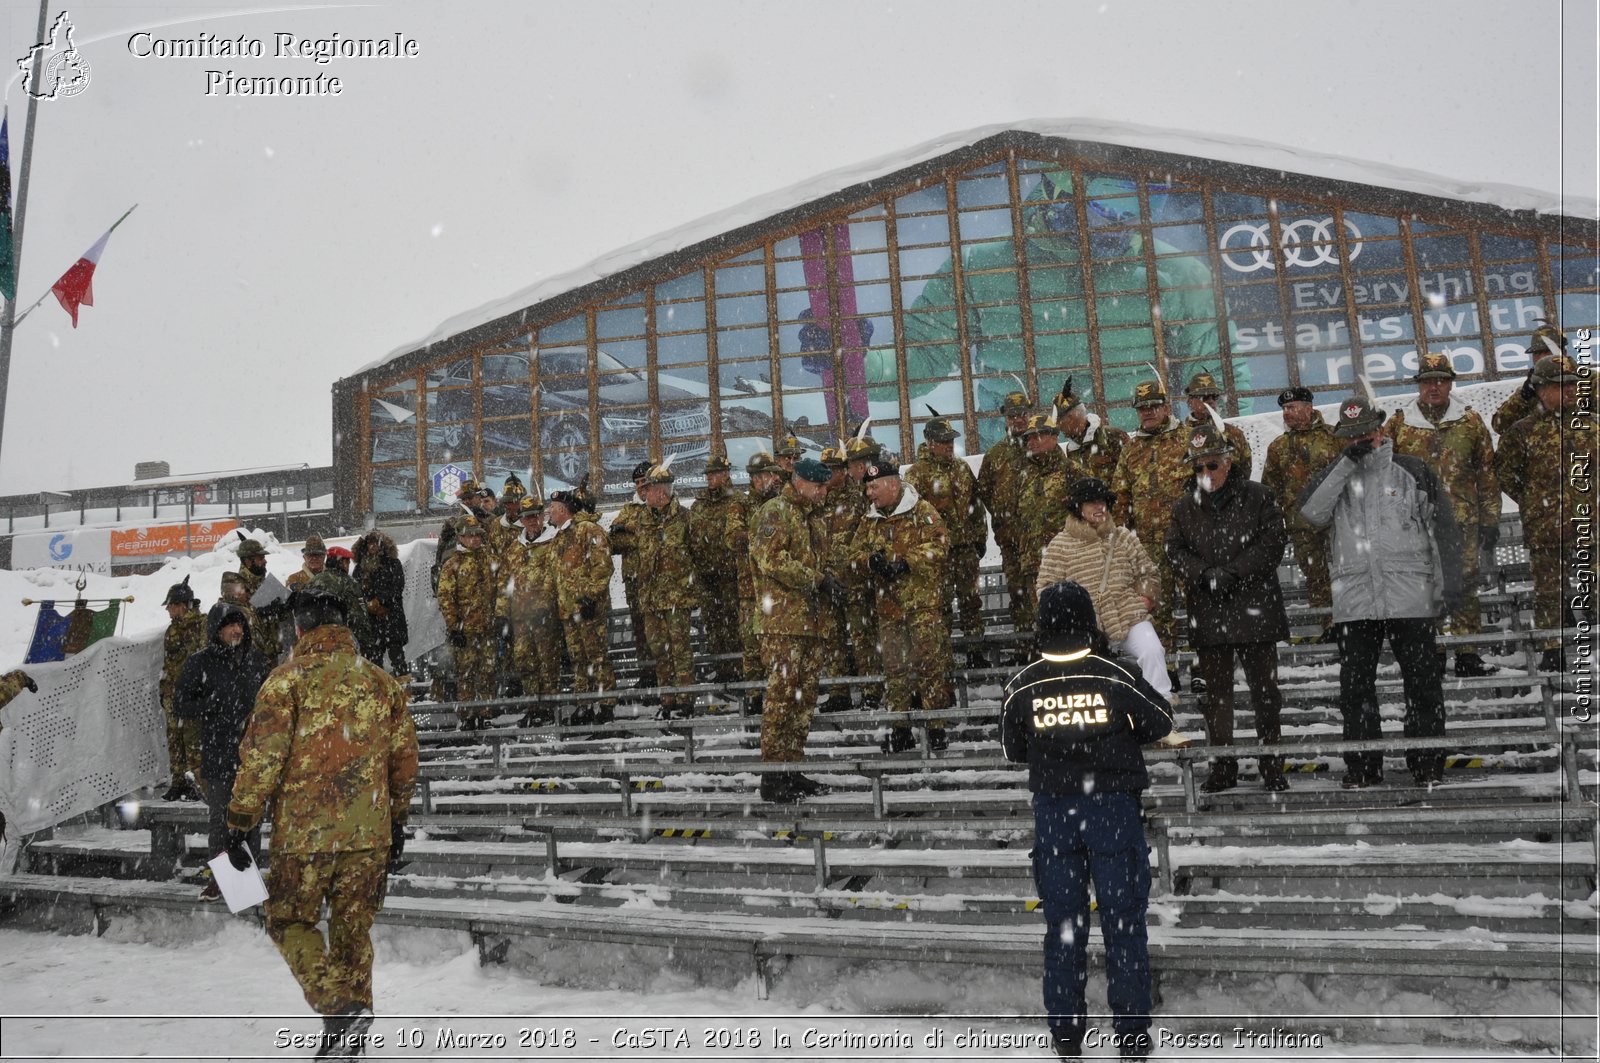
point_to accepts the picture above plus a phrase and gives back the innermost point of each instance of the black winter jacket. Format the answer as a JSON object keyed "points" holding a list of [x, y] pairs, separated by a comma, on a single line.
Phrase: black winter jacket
{"points": [[1238, 529], [218, 687], [1078, 720]]}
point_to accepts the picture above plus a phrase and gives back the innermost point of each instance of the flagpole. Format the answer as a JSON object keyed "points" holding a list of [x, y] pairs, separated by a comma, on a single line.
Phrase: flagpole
{"points": [[35, 304], [8, 323]]}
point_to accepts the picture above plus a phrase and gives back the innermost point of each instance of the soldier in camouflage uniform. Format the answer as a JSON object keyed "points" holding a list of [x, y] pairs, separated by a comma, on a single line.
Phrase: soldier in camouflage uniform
{"points": [[1204, 391], [716, 571], [185, 635], [903, 550], [861, 600], [623, 536], [1546, 341], [583, 594], [1042, 500], [842, 507], [315, 563], [236, 591], [788, 547], [946, 483], [1306, 447], [263, 619], [1546, 464], [668, 593], [466, 497], [1149, 478], [789, 451], [332, 751], [765, 482], [1092, 447], [469, 588], [1453, 441], [528, 601], [506, 529], [999, 481]]}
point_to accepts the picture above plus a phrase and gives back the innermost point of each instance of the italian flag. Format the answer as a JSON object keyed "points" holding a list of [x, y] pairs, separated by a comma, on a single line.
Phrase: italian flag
{"points": [[76, 286]]}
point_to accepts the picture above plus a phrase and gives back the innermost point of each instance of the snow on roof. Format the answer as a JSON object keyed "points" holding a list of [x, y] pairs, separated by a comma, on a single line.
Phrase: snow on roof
{"points": [[1243, 151], [184, 479]]}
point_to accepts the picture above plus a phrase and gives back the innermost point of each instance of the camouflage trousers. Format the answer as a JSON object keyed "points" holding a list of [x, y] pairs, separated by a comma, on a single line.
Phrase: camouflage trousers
{"points": [[477, 664], [536, 653], [720, 615], [335, 973], [831, 628], [1019, 582], [183, 745], [961, 584], [667, 631], [749, 641], [916, 658], [1468, 619], [1311, 554], [1553, 591], [591, 664], [793, 664], [641, 637], [1161, 617], [861, 631]]}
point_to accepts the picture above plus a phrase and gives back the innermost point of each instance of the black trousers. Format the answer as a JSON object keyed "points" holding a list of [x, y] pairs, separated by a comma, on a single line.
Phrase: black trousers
{"points": [[1260, 663], [1421, 674]]}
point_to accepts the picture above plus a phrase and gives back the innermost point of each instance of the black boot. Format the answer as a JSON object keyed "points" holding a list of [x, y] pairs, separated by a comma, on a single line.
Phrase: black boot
{"points": [[871, 700], [899, 740], [1470, 664], [938, 740], [344, 1033], [175, 791], [802, 786], [1553, 660], [1196, 684], [754, 704], [838, 701], [776, 787], [977, 659]]}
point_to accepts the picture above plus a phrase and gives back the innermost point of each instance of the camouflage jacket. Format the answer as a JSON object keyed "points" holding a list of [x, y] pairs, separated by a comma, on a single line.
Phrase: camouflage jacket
{"points": [[186, 635], [1293, 459], [911, 531], [528, 579], [846, 507], [1000, 485], [330, 753], [1546, 463], [1517, 406], [469, 588], [448, 533], [499, 534], [349, 593], [708, 532], [1045, 480], [624, 537], [947, 484], [1459, 452], [664, 559], [582, 564], [13, 683], [788, 547], [1236, 436], [1149, 478], [741, 523], [1097, 455]]}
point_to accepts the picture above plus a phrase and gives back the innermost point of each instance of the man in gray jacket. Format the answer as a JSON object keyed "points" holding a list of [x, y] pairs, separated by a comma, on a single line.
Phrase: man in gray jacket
{"points": [[1395, 564]]}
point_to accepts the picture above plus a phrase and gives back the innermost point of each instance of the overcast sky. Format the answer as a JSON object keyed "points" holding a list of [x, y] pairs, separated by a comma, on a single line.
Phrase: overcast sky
{"points": [[281, 244]]}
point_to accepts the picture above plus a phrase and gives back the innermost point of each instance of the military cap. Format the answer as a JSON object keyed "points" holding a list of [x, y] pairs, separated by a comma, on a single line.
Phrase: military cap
{"points": [[1435, 367], [1015, 402], [485, 491], [659, 474], [761, 461], [1206, 441], [232, 579], [881, 466], [250, 548], [1068, 400], [512, 489], [1149, 393], [569, 499], [468, 488], [1288, 395], [181, 594], [1557, 369], [938, 430], [1040, 423], [1357, 417], [790, 447], [340, 553], [314, 545], [469, 526], [1203, 386], [833, 457], [320, 593], [718, 463], [1547, 339], [1089, 489], [641, 470], [813, 471], [864, 449]]}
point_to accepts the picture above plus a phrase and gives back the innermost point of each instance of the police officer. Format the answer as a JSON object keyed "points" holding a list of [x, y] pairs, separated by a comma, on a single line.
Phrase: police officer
{"points": [[1077, 718], [332, 751], [185, 636], [999, 486], [1304, 449], [947, 484]]}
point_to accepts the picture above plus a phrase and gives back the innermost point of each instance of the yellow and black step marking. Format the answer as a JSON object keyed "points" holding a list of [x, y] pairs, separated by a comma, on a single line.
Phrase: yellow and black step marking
{"points": [[682, 832], [789, 835], [1469, 762], [649, 784], [546, 786]]}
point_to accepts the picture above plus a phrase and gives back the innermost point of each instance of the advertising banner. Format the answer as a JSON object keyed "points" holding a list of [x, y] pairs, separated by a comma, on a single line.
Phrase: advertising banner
{"points": [[158, 540], [76, 549]]}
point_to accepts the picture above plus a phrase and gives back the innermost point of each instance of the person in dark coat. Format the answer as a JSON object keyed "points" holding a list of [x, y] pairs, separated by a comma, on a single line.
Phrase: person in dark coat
{"points": [[1225, 541], [1077, 717], [218, 687], [382, 580]]}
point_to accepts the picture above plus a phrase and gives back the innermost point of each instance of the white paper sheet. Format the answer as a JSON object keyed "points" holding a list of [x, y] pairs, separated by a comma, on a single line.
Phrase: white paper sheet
{"points": [[241, 889], [271, 590]]}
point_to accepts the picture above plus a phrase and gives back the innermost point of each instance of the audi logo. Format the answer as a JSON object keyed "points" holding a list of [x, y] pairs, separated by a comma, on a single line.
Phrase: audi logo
{"points": [[1300, 240]]}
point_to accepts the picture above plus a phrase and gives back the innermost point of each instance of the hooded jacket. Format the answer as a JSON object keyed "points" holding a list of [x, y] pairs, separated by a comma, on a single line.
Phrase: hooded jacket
{"points": [[1236, 528], [1395, 550], [218, 687], [911, 532]]}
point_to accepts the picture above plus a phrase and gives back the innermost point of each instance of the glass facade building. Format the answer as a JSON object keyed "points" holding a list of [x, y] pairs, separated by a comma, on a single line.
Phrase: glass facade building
{"points": [[1016, 262]]}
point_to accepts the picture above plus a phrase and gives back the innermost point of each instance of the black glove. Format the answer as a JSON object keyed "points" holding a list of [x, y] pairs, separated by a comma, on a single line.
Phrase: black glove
{"points": [[886, 569], [1358, 450], [588, 608], [27, 681], [1489, 537], [1528, 391], [458, 638], [397, 843], [834, 588], [1220, 580], [238, 854]]}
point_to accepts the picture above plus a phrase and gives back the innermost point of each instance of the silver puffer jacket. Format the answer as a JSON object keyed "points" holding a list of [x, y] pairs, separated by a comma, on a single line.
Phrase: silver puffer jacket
{"points": [[1395, 551]]}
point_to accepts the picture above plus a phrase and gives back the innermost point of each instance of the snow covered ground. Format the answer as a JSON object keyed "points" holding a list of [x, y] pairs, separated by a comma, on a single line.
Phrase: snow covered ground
{"points": [[167, 988]]}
